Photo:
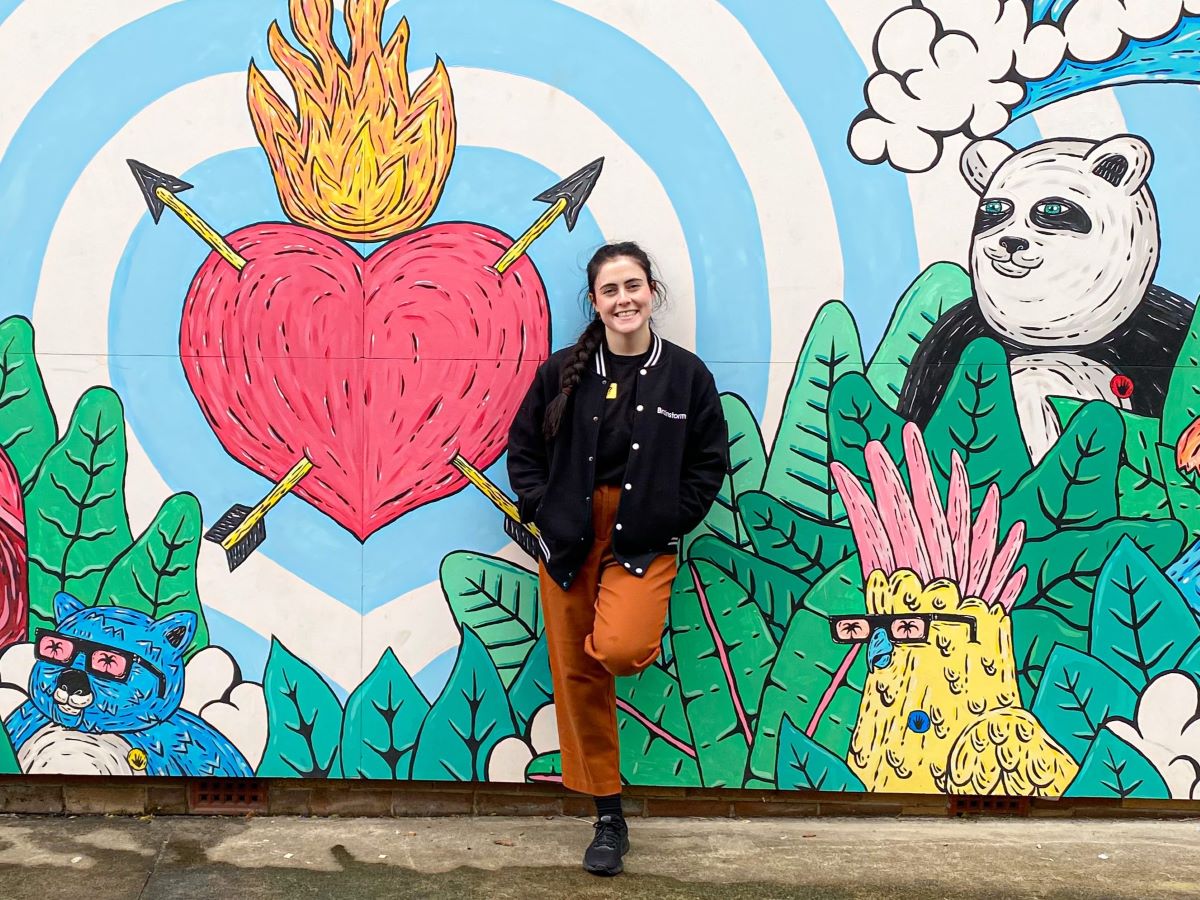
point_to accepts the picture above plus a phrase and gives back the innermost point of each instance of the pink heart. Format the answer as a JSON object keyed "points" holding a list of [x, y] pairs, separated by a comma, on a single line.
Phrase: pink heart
{"points": [[379, 370]]}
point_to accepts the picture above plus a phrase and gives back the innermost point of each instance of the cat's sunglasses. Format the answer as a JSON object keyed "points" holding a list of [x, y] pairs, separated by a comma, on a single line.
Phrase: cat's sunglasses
{"points": [[904, 628], [99, 659]]}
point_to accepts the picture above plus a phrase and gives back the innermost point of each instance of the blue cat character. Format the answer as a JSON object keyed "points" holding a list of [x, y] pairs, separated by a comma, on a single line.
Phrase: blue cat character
{"points": [[104, 698]]}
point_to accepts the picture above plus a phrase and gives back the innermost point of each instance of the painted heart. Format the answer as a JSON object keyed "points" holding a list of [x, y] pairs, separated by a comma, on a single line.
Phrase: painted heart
{"points": [[379, 370]]}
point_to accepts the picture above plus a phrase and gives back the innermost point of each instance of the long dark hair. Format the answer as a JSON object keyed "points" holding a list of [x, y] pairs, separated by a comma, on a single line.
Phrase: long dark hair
{"points": [[593, 336]]}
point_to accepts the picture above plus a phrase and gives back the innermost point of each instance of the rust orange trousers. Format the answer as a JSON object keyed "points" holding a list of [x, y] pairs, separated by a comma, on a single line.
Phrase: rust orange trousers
{"points": [[609, 623]]}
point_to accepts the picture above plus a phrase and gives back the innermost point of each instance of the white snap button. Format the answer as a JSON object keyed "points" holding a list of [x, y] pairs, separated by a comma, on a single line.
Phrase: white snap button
{"points": [[639, 571], [643, 371], [637, 446], [590, 458], [618, 526], [640, 407], [627, 565], [595, 418], [629, 487]]}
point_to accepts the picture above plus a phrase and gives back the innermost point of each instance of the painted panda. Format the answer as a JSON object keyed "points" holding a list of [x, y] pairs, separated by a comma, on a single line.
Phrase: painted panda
{"points": [[1062, 259]]}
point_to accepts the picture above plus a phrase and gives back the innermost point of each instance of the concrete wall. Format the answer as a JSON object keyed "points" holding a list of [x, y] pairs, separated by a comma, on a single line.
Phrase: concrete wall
{"points": [[936, 257]]}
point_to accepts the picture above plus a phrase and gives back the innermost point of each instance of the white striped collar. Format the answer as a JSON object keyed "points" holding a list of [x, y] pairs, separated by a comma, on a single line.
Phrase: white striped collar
{"points": [[656, 349]]}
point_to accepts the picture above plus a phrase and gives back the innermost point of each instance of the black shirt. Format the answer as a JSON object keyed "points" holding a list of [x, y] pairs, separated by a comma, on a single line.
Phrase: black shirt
{"points": [[616, 433]]}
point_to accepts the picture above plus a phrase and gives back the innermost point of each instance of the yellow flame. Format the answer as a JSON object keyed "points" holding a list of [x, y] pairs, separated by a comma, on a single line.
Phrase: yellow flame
{"points": [[360, 157]]}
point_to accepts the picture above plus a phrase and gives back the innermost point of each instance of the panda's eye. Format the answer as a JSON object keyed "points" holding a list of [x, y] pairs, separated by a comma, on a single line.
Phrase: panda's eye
{"points": [[991, 213], [1051, 209], [1057, 214]]}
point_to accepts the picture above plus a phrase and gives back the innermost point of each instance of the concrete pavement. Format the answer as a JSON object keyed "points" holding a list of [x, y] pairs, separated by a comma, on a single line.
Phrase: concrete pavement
{"points": [[113, 858]]}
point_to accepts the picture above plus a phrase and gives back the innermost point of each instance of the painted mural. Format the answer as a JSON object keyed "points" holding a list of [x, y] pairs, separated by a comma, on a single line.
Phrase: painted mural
{"points": [[277, 274]]}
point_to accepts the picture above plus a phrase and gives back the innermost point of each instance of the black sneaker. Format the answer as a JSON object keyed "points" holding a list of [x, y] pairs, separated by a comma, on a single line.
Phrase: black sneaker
{"points": [[603, 855]]}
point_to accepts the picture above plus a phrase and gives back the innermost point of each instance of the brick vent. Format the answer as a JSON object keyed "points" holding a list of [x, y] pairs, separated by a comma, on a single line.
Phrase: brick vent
{"points": [[988, 806], [213, 796]]}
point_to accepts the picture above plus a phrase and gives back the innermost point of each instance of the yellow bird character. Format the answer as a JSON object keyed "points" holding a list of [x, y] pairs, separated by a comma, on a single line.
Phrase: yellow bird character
{"points": [[940, 711]]}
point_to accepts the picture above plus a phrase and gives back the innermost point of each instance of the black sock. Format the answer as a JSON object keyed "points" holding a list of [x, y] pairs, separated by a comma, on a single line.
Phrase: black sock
{"points": [[609, 806]]}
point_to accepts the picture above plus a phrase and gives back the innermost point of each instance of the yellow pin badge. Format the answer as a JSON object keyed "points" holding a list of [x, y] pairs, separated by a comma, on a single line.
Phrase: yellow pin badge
{"points": [[612, 392], [137, 759]]}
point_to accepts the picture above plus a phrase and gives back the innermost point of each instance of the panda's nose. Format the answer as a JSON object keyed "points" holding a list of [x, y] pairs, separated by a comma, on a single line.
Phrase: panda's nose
{"points": [[1014, 245]]}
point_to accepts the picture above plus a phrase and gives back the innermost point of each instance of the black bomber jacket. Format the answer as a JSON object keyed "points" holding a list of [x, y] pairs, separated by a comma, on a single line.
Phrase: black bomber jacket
{"points": [[677, 459]]}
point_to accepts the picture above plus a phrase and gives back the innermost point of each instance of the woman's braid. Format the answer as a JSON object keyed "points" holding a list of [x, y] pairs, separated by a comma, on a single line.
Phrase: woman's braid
{"points": [[587, 344]]}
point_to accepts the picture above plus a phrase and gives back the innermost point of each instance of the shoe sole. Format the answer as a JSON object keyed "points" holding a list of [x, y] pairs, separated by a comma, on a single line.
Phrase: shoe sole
{"points": [[604, 872]]}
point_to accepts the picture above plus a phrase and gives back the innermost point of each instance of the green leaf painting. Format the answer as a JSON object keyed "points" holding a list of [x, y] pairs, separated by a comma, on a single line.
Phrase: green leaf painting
{"points": [[798, 471], [1112, 768], [157, 574], [747, 466], [1077, 695], [939, 288], [499, 602], [27, 427], [977, 418], [839, 591], [1063, 567], [545, 767], [723, 649], [382, 720], [1036, 632], [656, 742], [1183, 492], [856, 416], [815, 682], [808, 547], [804, 764], [467, 720], [1141, 626], [8, 758], [1075, 484], [532, 689], [775, 589], [76, 520], [1182, 406], [304, 720]]}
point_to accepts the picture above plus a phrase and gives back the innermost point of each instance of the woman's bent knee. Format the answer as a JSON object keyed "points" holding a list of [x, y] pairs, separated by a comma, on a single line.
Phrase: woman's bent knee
{"points": [[619, 657]]}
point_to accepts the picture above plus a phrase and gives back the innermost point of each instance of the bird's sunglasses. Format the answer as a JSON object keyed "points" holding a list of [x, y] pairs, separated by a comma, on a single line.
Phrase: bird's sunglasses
{"points": [[902, 628], [99, 659]]}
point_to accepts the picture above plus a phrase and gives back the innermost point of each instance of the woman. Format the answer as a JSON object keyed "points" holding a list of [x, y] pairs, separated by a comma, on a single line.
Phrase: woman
{"points": [[616, 453]]}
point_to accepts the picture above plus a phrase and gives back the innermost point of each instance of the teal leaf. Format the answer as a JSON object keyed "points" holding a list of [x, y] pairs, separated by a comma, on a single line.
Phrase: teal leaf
{"points": [[775, 589], [656, 743], [499, 602], [467, 720], [723, 649], [27, 426], [857, 416], [1036, 632], [808, 547], [939, 288], [157, 574], [798, 470], [1112, 768], [1077, 695], [745, 471], [382, 720], [1183, 492], [977, 417], [1075, 484], [1182, 405], [532, 688], [1141, 626], [805, 765], [304, 720], [75, 511]]}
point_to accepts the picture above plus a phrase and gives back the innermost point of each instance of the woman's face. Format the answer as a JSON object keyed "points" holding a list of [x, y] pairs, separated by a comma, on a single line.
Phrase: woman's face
{"points": [[623, 296]]}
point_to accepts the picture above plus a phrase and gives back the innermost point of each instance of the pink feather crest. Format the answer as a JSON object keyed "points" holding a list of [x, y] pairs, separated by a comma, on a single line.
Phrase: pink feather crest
{"points": [[1006, 558], [928, 504], [983, 541], [896, 512], [1012, 589], [874, 551], [958, 513]]}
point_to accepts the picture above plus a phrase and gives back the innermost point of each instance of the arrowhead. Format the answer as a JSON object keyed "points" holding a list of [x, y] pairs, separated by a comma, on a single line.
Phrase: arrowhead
{"points": [[149, 180], [576, 188]]}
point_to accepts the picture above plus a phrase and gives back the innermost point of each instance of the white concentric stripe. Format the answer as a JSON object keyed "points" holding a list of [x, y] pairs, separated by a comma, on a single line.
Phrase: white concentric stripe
{"points": [[70, 314], [41, 39], [710, 50]]}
